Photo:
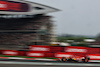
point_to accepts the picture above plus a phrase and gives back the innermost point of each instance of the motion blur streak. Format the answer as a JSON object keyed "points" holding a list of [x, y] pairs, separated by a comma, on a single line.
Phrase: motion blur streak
{"points": [[50, 64]]}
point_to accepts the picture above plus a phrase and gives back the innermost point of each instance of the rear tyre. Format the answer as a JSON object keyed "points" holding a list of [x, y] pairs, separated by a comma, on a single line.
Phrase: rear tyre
{"points": [[63, 59]]}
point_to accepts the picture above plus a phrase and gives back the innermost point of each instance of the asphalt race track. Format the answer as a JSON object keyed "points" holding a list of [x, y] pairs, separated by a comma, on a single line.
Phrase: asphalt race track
{"points": [[1, 65], [18, 63], [21, 65]]}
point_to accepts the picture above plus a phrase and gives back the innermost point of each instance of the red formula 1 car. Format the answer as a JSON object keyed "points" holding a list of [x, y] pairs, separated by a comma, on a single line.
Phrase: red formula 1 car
{"points": [[75, 59]]}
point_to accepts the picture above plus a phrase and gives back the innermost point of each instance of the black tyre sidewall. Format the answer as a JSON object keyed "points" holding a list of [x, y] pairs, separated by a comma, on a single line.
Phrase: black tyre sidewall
{"points": [[64, 59]]}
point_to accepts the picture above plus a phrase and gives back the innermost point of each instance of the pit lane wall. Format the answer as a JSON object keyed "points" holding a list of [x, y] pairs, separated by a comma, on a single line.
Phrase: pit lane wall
{"points": [[55, 52]]}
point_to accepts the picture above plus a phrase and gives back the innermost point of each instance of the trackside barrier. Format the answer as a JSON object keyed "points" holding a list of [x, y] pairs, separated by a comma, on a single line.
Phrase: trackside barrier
{"points": [[35, 54], [74, 49], [39, 48], [52, 51], [39, 54], [49, 55], [60, 55], [56, 49], [10, 52], [22, 53], [93, 50], [94, 56]]}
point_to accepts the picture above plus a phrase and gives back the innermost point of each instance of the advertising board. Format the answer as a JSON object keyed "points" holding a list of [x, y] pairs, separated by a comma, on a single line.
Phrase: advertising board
{"points": [[10, 52], [74, 49], [94, 56], [61, 54], [93, 50], [39, 48], [35, 54]]}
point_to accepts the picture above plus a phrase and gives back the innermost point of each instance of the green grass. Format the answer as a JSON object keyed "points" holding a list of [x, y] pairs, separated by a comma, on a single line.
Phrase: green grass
{"points": [[25, 57]]}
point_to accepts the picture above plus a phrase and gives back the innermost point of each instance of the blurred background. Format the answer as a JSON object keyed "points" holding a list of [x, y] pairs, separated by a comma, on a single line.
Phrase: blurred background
{"points": [[75, 24], [49, 30]]}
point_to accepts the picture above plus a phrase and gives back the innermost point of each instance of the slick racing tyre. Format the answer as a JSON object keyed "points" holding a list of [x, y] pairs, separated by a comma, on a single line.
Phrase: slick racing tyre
{"points": [[86, 60], [63, 59]]}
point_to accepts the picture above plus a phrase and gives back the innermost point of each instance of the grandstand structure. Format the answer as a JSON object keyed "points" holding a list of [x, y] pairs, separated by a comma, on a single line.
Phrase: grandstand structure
{"points": [[18, 30]]}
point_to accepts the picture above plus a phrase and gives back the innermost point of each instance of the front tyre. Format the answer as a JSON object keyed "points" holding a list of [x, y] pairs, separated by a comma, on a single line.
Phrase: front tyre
{"points": [[85, 60]]}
